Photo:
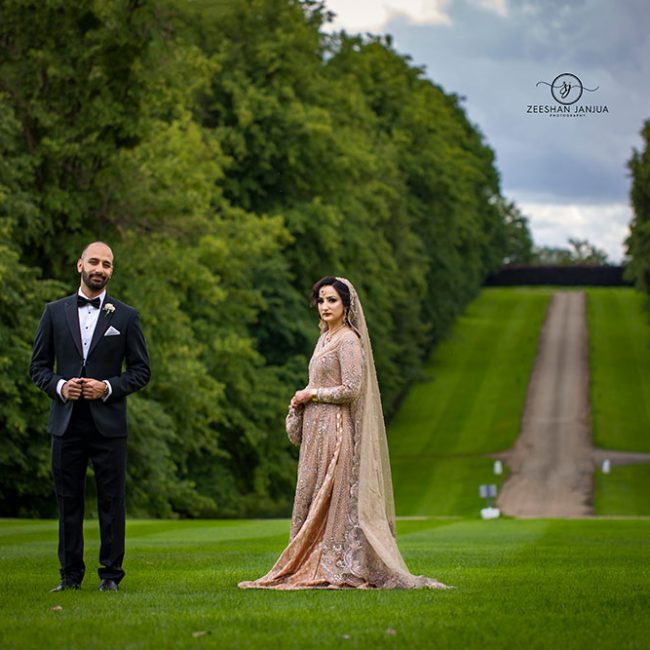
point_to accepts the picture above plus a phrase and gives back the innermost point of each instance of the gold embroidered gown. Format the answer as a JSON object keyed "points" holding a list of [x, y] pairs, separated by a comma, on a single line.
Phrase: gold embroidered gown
{"points": [[329, 546]]}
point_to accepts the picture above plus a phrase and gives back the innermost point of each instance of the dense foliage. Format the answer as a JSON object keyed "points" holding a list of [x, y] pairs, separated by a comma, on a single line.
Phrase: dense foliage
{"points": [[638, 243], [231, 153]]}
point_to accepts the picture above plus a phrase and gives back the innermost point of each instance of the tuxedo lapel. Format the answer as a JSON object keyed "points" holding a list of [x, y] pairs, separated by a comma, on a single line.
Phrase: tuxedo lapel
{"points": [[103, 323], [72, 318]]}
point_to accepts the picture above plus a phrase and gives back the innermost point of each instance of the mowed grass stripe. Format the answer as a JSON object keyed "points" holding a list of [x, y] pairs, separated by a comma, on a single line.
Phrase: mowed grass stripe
{"points": [[481, 368], [534, 584], [619, 347], [469, 404]]}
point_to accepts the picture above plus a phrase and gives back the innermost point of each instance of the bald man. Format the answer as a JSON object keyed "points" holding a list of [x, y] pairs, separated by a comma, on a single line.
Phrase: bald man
{"points": [[89, 354]]}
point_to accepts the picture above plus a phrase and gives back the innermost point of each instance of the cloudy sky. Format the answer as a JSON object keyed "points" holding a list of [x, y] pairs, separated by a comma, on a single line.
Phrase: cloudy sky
{"points": [[567, 173]]}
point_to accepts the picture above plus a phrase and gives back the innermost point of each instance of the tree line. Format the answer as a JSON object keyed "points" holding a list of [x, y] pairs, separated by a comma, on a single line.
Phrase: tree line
{"points": [[638, 242], [231, 153]]}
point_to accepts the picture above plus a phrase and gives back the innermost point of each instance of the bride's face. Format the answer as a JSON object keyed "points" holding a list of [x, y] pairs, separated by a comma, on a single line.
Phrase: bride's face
{"points": [[330, 306]]}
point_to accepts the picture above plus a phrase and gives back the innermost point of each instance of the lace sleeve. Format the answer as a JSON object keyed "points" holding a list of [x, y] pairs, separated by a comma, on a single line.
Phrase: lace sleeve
{"points": [[352, 367], [293, 425]]}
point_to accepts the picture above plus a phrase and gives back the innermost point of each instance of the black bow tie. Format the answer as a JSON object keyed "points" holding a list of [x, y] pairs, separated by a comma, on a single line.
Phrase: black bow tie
{"points": [[82, 302]]}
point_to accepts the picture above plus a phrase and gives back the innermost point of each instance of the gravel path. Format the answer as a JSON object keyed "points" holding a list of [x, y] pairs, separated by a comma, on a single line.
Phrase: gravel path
{"points": [[552, 460]]}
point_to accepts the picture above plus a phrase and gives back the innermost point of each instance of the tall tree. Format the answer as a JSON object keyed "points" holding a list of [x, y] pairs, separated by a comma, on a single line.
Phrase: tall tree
{"points": [[638, 242]]}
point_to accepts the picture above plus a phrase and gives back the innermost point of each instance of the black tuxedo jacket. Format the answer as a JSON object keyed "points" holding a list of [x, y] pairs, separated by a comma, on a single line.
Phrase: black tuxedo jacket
{"points": [[57, 355]]}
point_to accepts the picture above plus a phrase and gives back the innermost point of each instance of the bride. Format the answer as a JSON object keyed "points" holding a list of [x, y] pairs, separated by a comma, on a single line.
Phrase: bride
{"points": [[343, 523]]}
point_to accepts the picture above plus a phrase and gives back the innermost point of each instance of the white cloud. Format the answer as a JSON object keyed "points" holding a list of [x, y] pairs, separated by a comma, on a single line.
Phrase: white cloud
{"points": [[374, 15], [497, 6], [605, 225]]}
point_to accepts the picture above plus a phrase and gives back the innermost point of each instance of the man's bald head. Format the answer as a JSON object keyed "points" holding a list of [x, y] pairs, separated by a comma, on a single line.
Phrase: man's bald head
{"points": [[96, 246]]}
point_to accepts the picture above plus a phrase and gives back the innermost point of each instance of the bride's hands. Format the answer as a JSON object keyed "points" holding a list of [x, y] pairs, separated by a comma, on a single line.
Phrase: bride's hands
{"points": [[302, 397]]}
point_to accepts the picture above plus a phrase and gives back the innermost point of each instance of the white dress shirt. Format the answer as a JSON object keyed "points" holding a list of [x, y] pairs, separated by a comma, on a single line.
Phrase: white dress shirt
{"points": [[88, 317]]}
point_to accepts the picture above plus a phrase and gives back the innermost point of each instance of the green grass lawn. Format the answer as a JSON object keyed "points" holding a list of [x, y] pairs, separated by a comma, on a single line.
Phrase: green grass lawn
{"points": [[619, 349], [625, 491], [468, 405], [532, 584]]}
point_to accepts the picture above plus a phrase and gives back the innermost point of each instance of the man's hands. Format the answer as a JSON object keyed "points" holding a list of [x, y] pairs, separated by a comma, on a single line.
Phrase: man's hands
{"points": [[93, 388], [77, 387], [72, 389]]}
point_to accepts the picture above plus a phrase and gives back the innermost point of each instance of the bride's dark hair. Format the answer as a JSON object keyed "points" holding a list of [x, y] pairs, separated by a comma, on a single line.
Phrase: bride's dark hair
{"points": [[340, 287]]}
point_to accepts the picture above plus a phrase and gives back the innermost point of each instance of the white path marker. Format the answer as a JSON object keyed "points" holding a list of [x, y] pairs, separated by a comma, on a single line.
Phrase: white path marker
{"points": [[488, 492]]}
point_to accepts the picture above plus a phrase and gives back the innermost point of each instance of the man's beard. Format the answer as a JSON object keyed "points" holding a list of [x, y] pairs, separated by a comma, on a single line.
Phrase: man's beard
{"points": [[96, 283]]}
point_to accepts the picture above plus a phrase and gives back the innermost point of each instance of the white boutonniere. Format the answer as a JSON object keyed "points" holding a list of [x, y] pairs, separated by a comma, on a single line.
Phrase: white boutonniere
{"points": [[109, 308]]}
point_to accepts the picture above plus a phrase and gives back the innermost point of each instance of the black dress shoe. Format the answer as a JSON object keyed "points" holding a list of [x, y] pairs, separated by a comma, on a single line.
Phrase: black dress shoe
{"points": [[107, 585], [64, 585]]}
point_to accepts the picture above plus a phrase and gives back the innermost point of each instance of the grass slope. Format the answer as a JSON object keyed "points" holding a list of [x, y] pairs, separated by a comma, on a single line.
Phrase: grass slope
{"points": [[533, 584], [468, 405], [619, 349]]}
